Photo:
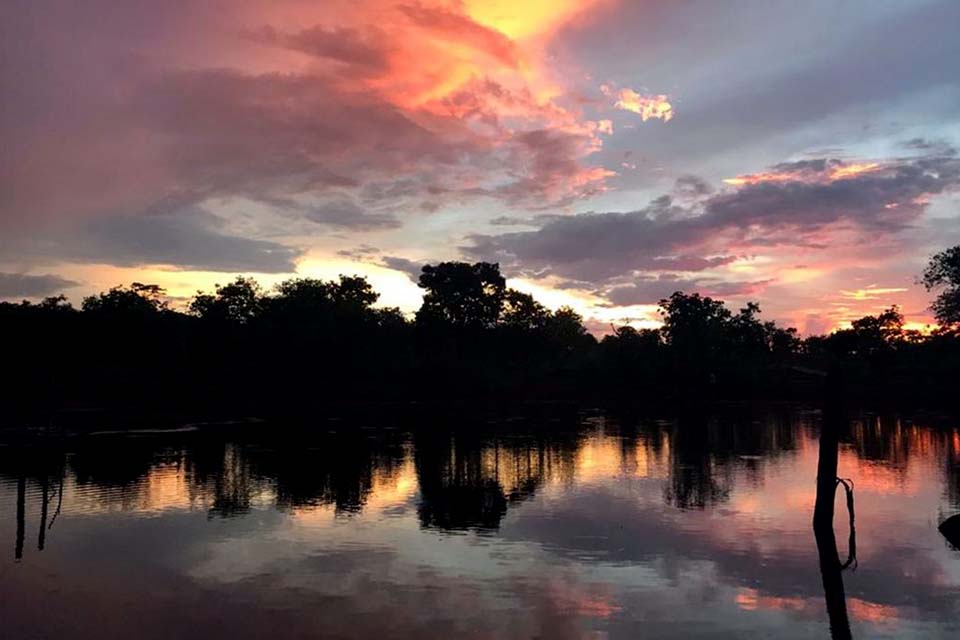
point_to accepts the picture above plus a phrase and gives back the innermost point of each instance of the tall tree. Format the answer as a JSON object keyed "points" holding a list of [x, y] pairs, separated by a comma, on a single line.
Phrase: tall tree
{"points": [[237, 302], [462, 294], [136, 300], [943, 272]]}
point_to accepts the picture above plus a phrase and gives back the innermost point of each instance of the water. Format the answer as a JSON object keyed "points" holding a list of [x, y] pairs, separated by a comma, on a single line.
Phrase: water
{"points": [[601, 529]]}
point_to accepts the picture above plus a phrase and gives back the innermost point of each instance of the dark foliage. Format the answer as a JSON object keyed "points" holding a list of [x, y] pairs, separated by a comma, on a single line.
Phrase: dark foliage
{"points": [[943, 273], [311, 343]]}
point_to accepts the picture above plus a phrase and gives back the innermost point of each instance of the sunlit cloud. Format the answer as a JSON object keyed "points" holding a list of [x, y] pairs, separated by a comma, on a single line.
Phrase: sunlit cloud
{"points": [[652, 106], [822, 171], [871, 292], [266, 136]]}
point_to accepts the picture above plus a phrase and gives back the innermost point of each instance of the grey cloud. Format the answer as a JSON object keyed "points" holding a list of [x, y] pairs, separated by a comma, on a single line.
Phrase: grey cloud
{"points": [[511, 221], [131, 130], [751, 98], [346, 214], [17, 285], [941, 147], [600, 247], [409, 267], [652, 289], [692, 186], [525, 221], [190, 238], [357, 253], [348, 46]]}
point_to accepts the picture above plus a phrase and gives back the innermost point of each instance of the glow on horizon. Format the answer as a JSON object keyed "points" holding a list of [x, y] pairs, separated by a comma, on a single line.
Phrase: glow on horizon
{"points": [[519, 114]]}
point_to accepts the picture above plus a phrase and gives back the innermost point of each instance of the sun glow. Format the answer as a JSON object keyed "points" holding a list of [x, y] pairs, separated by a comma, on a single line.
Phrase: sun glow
{"points": [[526, 20]]}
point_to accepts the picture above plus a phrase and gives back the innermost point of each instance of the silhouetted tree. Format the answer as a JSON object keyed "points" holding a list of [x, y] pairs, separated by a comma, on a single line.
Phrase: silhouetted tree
{"points": [[237, 302], [943, 272], [870, 335], [462, 294], [522, 313], [136, 301], [693, 323], [310, 340], [565, 328]]}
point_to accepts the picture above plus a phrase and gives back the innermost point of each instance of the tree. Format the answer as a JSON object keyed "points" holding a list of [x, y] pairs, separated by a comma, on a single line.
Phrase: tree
{"points": [[137, 300], [781, 342], [301, 297], [237, 302], [565, 328], [522, 312], [692, 323], [870, 335], [57, 304], [887, 327], [353, 292], [746, 332], [943, 272], [462, 294]]}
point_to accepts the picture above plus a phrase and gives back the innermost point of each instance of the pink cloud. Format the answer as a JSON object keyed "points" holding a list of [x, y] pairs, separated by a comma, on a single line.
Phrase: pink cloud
{"points": [[155, 103]]}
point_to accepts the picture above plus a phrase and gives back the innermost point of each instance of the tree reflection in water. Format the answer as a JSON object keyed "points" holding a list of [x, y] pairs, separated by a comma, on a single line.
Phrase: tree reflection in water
{"points": [[831, 569]]}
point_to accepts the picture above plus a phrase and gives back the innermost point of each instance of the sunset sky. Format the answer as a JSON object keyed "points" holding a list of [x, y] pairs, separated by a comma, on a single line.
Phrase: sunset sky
{"points": [[605, 152]]}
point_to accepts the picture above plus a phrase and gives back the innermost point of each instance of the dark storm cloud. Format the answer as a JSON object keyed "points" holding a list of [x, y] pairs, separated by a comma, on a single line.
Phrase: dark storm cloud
{"points": [[816, 195], [16, 285]]}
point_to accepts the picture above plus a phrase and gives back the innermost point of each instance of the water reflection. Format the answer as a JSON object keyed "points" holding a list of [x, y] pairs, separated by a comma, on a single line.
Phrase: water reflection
{"points": [[831, 568], [601, 526]]}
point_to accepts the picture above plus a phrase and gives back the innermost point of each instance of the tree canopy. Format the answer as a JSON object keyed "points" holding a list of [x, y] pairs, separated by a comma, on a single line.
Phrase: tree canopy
{"points": [[943, 274], [472, 336]]}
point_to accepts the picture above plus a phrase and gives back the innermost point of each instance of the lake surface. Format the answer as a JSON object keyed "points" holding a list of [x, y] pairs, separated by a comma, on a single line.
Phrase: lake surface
{"points": [[586, 528]]}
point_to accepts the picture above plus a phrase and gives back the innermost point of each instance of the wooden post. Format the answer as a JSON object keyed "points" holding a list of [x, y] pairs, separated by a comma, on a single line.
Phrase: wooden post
{"points": [[830, 567]]}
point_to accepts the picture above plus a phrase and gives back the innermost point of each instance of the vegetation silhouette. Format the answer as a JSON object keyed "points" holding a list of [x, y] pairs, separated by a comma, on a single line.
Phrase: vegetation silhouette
{"points": [[310, 344], [466, 472], [39, 469], [831, 569]]}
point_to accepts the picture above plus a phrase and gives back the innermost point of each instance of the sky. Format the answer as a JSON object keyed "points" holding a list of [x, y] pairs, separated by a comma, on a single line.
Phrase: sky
{"points": [[604, 152]]}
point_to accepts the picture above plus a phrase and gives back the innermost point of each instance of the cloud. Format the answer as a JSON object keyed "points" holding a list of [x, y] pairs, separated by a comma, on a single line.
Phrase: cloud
{"points": [[652, 106], [409, 267], [692, 186], [359, 253], [652, 289], [820, 196], [361, 51], [871, 292], [190, 239], [211, 103], [462, 29], [345, 214], [16, 285], [596, 247]]}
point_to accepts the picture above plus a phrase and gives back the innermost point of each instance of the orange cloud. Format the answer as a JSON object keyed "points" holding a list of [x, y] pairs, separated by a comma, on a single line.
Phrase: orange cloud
{"points": [[807, 172], [647, 106], [851, 170], [529, 19], [871, 292]]}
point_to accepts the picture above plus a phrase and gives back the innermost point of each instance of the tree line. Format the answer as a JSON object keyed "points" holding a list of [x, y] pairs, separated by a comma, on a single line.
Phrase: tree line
{"points": [[310, 342]]}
